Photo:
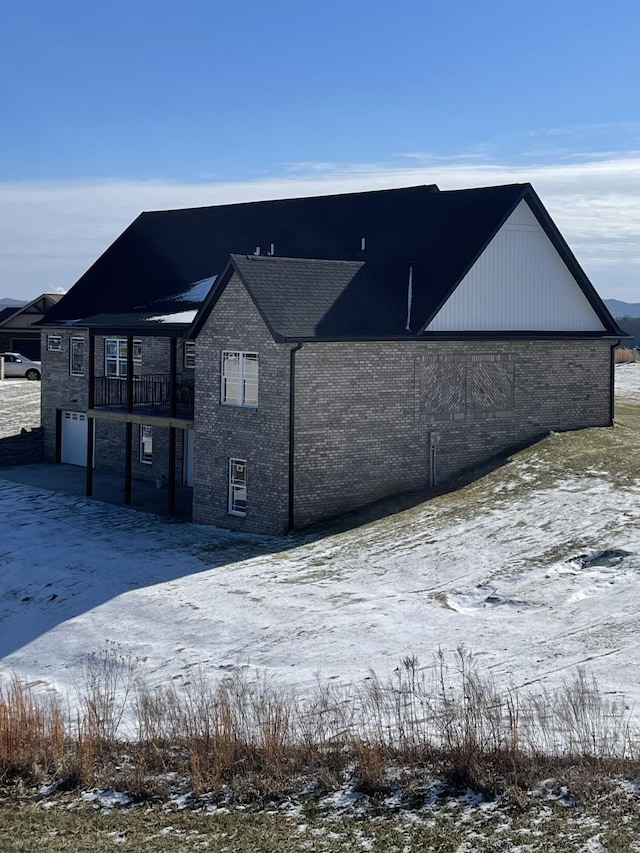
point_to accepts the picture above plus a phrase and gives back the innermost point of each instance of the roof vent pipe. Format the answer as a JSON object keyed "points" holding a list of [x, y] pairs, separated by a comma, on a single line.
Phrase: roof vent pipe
{"points": [[257, 251], [409, 298], [362, 243], [273, 249]]}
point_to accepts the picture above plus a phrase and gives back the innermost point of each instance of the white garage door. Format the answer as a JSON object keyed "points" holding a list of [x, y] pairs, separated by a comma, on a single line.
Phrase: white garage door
{"points": [[74, 438]]}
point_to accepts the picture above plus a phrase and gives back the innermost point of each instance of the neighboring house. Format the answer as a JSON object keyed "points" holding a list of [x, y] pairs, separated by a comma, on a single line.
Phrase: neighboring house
{"points": [[294, 359], [17, 330]]}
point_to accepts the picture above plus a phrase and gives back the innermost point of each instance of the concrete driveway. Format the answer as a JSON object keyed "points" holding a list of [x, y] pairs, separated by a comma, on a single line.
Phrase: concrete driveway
{"points": [[108, 488]]}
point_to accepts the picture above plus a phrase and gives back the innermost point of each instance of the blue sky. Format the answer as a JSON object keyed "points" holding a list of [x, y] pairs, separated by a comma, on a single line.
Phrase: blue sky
{"points": [[109, 109]]}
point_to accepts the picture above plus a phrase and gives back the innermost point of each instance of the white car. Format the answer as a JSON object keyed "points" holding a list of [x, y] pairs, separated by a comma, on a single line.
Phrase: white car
{"points": [[16, 364]]}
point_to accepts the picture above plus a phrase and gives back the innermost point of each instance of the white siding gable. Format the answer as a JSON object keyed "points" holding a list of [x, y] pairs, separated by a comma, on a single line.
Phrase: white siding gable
{"points": [[519, 283]]}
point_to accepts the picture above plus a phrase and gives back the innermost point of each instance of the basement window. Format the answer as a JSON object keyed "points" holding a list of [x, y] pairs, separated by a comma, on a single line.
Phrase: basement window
{"points": [[240, 378], [237, 487]]}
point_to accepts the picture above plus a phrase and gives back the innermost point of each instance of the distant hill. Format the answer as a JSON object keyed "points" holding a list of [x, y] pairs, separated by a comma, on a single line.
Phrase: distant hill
{"points": [[630, 325], [623, 309], [7, 302]]}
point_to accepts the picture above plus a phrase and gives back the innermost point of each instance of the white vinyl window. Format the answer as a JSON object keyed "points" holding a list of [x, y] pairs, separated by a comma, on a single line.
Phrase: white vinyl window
{"points": [[54, 343], [237, 487], [76, 357], [115, 357], [240, 378], [190, 354], [146, 444]]}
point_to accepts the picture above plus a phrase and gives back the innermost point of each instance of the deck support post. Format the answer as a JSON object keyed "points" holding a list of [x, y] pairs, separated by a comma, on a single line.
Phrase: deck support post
{"points": [[173, 376], [171, 503], [91, 371], [127, 461], [90, 433], [130, 374]]}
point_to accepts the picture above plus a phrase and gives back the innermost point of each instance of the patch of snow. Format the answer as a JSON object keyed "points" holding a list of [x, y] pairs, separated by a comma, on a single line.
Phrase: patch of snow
{"points": [[536, 585], [179, 317], [593, 845], [345, 799], [181, 801], [197, 291], [630, 786], [552, 790], [107, 798], [19, 405], [627, 380]]}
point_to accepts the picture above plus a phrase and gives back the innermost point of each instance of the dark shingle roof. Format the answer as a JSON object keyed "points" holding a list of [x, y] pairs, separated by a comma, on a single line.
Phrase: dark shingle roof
{"points": [[162, 253], [301, 298], [7, 312], [152, 268]]}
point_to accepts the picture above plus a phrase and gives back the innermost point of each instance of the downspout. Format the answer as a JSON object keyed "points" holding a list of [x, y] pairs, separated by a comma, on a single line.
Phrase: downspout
{"points": [[292, 401], [612, 379], [91, 423], [173, 385], [128, 427]]}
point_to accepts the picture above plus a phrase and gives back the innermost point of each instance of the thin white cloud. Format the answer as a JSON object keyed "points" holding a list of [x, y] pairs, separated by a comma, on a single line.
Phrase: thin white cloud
{"points": [[592, 128], [51, 232]]}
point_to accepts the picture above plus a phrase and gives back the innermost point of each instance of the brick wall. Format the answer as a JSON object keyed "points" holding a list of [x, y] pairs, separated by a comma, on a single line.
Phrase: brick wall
{"points": [[365, 412], [110, 451], [60, 390], [257, 435]]}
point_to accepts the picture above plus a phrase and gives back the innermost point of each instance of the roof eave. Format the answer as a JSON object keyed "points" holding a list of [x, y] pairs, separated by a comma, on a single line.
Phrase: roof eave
{"points": [[155, 330], [483, 335]]}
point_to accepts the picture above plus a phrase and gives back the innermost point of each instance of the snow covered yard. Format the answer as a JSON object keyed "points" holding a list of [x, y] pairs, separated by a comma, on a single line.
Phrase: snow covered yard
{"points": [[535, 567], [19, 406]]}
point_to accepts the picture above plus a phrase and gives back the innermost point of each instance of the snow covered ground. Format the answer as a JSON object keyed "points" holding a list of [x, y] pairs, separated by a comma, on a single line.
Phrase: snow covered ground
{"points": [[19, 406], [511, 566]]}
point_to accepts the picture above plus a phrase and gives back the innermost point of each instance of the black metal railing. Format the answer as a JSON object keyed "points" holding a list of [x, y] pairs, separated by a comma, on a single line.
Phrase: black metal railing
{"points": [[151, 395]]}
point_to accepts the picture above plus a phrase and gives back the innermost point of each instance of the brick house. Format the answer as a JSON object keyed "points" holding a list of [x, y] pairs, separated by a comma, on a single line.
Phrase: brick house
{"points": [[19, 331], [290, 360]]}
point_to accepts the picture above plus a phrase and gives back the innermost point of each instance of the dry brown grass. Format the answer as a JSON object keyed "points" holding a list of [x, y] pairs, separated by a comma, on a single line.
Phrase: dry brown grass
{"points": [[623, 355], [33, 733], [248, 736]]}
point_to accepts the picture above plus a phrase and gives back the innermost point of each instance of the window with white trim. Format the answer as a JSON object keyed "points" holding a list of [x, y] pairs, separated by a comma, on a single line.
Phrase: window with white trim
{"points": [[146, 444], [76, 357], [237, 487], [54, 343], [190, 354], [115, 357], [240, 378]]}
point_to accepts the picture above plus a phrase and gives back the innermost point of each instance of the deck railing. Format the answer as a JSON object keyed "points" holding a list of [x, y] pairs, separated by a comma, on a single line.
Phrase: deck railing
{"points": [[151, 395]]}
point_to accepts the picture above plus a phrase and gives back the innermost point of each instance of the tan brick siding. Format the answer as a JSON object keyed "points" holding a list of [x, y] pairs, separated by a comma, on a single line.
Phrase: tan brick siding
{"points": [[60, 390], [260, 435], [365, 411]]}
